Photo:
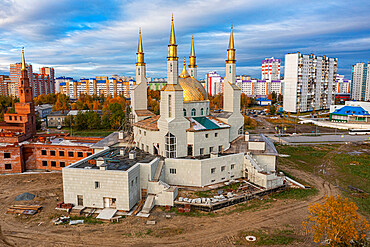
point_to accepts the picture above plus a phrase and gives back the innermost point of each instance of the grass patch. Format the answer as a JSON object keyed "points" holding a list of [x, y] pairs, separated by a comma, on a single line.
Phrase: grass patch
{"points": [[277, 237], [87, 220], [295, 193], [92, 133]]}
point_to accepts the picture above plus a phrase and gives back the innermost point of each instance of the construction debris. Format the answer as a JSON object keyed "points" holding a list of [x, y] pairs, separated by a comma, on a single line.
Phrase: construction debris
{"points": [[24, 209], [151, 222], [61, 220], [75, 222]]}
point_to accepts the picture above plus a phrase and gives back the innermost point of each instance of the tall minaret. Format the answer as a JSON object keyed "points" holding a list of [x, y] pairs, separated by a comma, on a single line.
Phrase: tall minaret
{"points": [[25, 90], [193, 63], [230, 75], [172, 124], [139, 92], [232, 93], [172, 59]]}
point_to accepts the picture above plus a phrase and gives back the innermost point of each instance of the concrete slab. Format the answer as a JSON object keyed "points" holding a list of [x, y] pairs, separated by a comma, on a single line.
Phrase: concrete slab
{"points": [[140, 214], [107, 214]]}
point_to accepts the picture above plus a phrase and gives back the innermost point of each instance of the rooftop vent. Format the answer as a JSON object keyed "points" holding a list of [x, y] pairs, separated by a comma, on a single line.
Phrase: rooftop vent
{"points": [[246, 136], [132, 155], [99, 161], [103, 167], [122, 152], [120, 135]]}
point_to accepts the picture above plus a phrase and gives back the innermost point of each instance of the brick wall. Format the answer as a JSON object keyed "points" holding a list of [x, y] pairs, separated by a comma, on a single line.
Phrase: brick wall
{"points": [[11, 159]]}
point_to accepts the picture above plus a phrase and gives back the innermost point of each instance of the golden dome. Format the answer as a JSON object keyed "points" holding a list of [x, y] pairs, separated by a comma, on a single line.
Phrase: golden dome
{"points": [[193, 89]]}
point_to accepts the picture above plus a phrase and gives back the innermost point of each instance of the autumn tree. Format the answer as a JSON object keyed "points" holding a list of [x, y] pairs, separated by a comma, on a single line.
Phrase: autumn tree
{"points": [[280, 98], [336, 222], [245, 101], [61, 103]]}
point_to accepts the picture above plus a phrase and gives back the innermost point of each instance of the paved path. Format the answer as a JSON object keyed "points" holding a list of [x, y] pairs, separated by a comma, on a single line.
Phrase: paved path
{"points": [[300, 139]]}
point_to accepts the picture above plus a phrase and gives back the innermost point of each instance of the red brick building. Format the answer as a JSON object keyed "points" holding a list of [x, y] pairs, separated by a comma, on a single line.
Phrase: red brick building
{"points": [[21, 149]]}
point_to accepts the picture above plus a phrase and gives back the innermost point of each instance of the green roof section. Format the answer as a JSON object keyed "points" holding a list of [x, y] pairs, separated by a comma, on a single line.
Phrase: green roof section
{"points": [[208, 124]]}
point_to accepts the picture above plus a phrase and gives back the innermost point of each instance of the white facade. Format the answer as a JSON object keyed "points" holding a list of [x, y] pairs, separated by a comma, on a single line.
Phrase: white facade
{"points": [[309, 82], [360, 86], [260, 88]]}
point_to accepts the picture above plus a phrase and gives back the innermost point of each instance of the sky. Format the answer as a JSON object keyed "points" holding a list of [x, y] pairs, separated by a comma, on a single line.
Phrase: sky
{"points": [[88, 38]]}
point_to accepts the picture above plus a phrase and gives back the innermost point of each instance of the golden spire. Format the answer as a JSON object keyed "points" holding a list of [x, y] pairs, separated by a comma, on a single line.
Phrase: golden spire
{"points": [[172, 47], [23, 60], [140, 53], [192, 63], [184, 72], [231, 50], [172, 36]]}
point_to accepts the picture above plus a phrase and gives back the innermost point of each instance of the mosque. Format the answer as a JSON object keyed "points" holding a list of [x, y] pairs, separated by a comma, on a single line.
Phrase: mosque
{"points": [[185, 126]]}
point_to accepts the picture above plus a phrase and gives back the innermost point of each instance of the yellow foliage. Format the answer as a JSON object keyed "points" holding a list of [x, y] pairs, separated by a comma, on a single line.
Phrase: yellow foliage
{"points": [[336, 221]]}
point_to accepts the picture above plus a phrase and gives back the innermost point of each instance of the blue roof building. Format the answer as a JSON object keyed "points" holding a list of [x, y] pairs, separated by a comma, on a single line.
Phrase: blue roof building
{"points": [[350, 114]]}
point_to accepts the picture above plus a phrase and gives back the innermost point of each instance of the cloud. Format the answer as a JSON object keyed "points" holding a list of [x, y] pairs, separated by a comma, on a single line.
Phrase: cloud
{"points": [[89, 38]]}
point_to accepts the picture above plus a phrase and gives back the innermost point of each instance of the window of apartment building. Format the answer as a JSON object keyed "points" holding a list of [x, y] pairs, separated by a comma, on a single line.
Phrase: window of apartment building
{"points": [[213, 170], [216, 134], [88, 153], [70, 154], [8, 166], [201, 151], [206, 135], [210, 149], [6, 155], [80, 154], [52, 153], [54, 164], [223, 168], [43, 152], [62, 164], [232, 166], [61, 153], [97, 185], [44, 163], [172, 171]]}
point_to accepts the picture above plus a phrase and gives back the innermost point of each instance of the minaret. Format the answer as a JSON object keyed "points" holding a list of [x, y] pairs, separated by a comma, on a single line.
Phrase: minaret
{"points": [[193, 63], [139, 92], [230, 76], [25, 91], [172, 124], [232, 93], [172, 59]]}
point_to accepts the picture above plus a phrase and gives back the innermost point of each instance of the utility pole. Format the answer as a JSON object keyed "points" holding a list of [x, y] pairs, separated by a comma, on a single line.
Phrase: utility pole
{"points": [[70, 119]]}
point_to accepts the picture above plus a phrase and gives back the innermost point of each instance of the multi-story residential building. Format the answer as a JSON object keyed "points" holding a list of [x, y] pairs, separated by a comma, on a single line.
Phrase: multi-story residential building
{"points": [[309, 82], [271, 69], [213, 83], [360, 86], [156, 83], [96, 86], [4, 80], [59, 80], [260, 88], [42, 83], [15, 75], [342, 86]]}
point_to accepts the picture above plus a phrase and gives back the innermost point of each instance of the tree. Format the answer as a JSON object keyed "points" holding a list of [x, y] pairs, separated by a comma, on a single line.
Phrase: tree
{"points": [[80, 121], [336, 222], [280, 98], [68, 121], [93, 120], [272, 109]]}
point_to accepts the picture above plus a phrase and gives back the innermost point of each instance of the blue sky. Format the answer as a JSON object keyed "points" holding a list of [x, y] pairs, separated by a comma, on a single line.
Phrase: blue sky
{"points": [[94, 38]]}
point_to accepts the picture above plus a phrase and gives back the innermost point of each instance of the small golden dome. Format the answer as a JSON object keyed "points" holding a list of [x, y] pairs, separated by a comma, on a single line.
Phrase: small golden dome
{"points": [[193, 89]]}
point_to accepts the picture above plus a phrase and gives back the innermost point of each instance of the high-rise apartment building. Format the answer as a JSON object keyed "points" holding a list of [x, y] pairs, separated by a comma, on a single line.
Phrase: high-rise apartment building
{"points": [[342, 85], [213, 83], [4, 80], [271, 69], [360, 86], [309, 82], [15, 75], [41, 83], [260, 88]]}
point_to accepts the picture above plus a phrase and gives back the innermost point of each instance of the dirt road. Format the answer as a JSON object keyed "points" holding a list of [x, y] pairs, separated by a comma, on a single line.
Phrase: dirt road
{"points": [[221, 230]]}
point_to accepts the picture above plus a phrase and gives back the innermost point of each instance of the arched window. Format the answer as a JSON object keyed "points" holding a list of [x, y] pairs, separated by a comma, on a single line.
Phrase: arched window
{"points": [[171, 66], [170, 145], [138, 70], [193, 112], [241, 130], [201, 111], [207, 113], [184, 112], [230, 69]]}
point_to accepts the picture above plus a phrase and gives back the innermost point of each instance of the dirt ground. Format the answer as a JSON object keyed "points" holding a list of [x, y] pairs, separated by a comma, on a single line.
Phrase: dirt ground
{"points": [[221, 230], [265, 127]]}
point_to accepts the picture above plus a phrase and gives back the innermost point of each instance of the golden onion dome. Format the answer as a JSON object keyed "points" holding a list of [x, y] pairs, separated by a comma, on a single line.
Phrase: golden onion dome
{"points": [[192, 89]]}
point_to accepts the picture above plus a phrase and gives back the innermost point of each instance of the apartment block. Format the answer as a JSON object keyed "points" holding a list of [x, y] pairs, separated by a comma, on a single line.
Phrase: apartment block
{"points": [[4, 80], [15, 75], [260, 88], [342, 85], [96, 86], [213, 83], [360, 86], [309, 82], [271, 69]]}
